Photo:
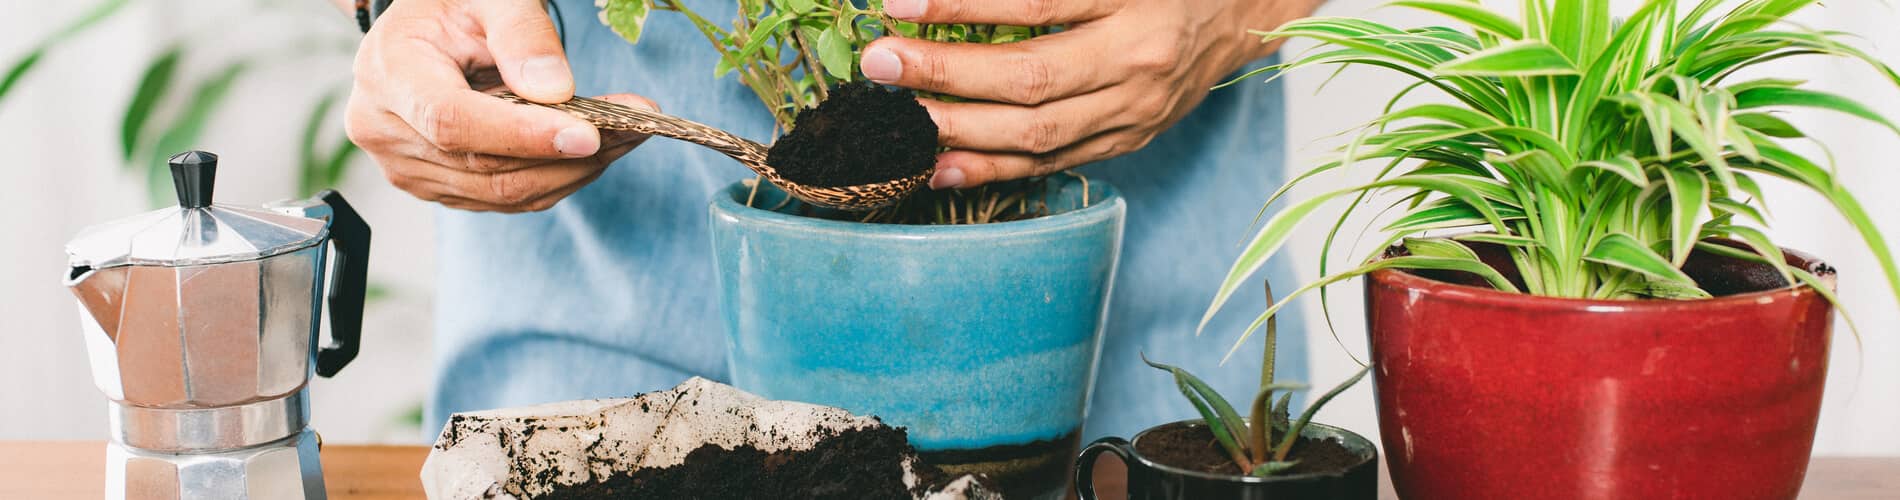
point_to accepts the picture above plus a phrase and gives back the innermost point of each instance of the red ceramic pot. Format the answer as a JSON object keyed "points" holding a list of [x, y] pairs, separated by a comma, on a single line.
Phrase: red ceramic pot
{"points": [[1484, 394]]}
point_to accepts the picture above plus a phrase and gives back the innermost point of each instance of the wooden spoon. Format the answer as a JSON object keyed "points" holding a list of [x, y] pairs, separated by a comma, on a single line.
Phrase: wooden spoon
{"points": [[611, 116]]}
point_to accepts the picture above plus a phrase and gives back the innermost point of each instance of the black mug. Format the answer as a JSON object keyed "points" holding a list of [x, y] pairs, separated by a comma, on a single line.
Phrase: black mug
{"points": [[1150, 480]]}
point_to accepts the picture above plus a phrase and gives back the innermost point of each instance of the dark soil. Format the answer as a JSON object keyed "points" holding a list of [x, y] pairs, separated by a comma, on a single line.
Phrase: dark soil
{"points": [[862, 133], [1020, 470], [1194, 448], [855, 464]]}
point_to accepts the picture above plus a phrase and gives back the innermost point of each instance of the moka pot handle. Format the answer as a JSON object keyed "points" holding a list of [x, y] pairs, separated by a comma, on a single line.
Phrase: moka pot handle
{"points": [[348, 287]]}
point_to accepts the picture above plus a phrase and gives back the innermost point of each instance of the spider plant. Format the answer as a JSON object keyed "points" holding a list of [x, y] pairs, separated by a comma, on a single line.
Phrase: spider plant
{"points": [[1598, 152], [1250, 443]]}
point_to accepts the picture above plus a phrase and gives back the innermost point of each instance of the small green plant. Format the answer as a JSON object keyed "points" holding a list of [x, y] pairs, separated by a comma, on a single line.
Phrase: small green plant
{"points": [[1251, 443], [1600, 153], [789, 52]]}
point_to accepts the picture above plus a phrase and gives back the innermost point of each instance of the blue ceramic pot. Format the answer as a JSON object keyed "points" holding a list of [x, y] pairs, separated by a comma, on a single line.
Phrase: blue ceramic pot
{"points": [[980, 339]]}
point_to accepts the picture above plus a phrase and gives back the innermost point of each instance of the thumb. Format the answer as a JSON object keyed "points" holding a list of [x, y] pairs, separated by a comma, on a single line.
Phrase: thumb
{"points": [[527, 50]]}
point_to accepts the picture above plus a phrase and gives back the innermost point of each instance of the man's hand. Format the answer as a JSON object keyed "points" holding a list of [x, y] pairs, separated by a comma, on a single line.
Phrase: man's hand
{"points": [[1122, 72], [418, 107]]}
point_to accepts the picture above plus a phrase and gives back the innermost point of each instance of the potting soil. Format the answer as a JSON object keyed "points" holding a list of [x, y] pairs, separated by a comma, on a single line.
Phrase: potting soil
{"points": [[862, 133], [854, 464], [1194, 448]]}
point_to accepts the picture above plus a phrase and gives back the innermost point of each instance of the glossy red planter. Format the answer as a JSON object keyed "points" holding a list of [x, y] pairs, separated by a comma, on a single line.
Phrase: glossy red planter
{"points": [[1490, 395]]}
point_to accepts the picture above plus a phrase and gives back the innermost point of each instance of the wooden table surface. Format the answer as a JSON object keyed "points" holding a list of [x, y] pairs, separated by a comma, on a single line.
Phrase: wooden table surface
{"points": [[58, 470]]}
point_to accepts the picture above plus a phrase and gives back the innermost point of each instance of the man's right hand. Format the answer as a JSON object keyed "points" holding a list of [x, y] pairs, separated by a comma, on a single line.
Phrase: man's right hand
{"points": [[419, 109]]}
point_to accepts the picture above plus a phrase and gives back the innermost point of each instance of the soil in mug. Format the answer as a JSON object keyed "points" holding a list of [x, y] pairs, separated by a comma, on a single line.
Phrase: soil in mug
{"points": [[855, 464], [862, 133], [1194, 448]]}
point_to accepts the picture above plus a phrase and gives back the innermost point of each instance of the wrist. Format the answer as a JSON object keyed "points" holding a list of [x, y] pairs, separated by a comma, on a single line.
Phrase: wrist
{"points": [[1268, 16], [367, 11]]}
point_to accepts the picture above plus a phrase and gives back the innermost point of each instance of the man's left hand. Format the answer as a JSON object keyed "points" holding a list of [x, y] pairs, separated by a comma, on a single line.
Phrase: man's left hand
{"points": [[1120, 73]]}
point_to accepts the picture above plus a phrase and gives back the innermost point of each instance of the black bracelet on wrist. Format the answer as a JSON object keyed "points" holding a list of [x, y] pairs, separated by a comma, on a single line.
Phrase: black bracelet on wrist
{"points": [[368, 10]]}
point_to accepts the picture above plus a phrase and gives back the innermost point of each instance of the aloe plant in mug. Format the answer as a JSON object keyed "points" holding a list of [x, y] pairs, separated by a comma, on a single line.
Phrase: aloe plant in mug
{"points": [[1586, 161], [1250, 442], [1271, 455]]}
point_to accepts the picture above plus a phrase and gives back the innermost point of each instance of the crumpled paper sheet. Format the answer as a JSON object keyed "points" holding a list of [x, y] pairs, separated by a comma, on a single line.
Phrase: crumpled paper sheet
{"points": [[516, 453]]}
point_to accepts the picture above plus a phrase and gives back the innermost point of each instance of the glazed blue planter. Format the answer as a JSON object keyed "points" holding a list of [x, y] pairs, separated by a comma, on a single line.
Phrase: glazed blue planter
{"points": [[982, 340]]}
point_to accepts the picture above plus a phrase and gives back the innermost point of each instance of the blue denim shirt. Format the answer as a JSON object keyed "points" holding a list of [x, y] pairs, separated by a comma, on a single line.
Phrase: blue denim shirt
{"points": [[611, 293]]}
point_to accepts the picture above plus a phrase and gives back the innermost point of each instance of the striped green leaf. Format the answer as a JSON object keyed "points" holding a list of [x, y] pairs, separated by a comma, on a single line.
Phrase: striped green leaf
{"points": [[1531, 58], [1625, 252]]}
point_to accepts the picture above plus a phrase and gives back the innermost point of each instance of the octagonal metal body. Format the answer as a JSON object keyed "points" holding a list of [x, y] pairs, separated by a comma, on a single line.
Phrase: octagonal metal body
{"points": [[287, 469], [203, 336]]}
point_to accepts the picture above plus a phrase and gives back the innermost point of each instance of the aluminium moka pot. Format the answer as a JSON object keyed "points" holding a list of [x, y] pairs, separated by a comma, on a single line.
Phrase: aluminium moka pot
{"points": [[201, 324]]}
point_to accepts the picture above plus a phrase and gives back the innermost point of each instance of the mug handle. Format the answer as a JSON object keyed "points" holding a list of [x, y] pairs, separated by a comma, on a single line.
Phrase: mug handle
{"points": [[1085, 464]]}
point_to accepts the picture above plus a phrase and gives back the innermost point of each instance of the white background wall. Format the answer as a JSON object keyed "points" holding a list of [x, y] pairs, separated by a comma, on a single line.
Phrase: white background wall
{"points": [[59, 130], [59, 133]]}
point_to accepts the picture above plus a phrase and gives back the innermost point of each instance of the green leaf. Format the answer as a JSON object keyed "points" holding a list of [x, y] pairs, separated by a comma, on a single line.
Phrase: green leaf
{"points": [[628, 18], [311, 165], [1624, 166], [834, 52], [338, 164], [760, 35], [1220, 416], [1769, 125], [1689, 207], [1280, 412], [152, 87], [1259, 440], [20, 70], [183, 133], [800, 6], [1436, 247], [1789, 97], [1670, 290], [1264, 244], [1739, 208], [86, 21], [725, 65], [1293, 434], [1470, 13], [1479, 268], [1624, 251], [1528, 58], [1273, 467], [1499, 239], [1448, 213]]}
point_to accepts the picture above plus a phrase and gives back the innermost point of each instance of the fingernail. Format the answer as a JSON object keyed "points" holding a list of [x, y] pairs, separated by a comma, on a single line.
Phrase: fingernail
{"points": [[548, 75], [881, 65], [905, 9], [577, 141], [946, 178]]}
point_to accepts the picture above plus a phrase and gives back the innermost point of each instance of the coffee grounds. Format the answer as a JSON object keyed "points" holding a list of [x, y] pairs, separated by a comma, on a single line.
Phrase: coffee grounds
{"points": [[1194, 448], [862, 133], [854, 464]]}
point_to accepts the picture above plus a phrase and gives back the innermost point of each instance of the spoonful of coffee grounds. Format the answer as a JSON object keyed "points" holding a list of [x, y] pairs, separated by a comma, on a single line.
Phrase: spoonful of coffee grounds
{"points": [[864, 147]]}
